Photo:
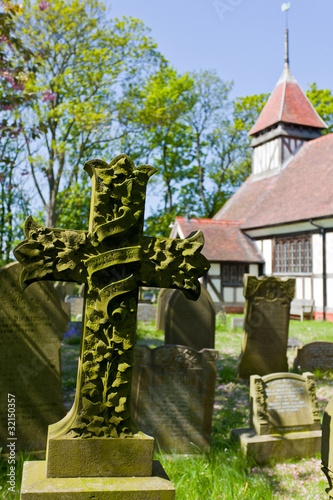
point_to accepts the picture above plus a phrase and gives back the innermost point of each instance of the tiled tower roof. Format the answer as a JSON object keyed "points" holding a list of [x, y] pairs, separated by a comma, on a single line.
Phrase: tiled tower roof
{"points": [[287, 104]]}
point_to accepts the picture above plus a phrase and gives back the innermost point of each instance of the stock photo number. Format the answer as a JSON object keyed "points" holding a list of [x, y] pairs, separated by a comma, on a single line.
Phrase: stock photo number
{"points": [[11, 443]]}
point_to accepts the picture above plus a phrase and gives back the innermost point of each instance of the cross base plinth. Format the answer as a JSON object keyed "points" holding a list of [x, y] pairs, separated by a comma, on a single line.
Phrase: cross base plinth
{"points": [[100, 457], [36, 486]]}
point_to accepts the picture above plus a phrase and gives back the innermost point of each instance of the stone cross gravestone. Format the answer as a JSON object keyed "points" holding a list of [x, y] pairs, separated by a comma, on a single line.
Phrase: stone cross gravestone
{"points": [[315, 355], [284, 420], [266, 324], [31, 329], [327, 447], [173, 396], [190, 323], [98, 438]]}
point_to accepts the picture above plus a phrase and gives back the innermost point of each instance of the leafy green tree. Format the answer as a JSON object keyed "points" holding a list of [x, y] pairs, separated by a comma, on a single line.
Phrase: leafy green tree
{"points": [[206, 138], [219, 127], [15, 66], [211, 107], [84, 61], [322, 100], [157, 112]]}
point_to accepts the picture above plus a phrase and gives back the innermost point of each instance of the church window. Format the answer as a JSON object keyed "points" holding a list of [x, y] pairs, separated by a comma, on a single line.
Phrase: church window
{"points": [[232, 274], [292, 255]]}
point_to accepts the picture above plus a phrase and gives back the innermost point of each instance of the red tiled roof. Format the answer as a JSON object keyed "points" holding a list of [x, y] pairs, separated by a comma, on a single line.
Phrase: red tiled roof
{"points": [[287, 104], [303, 190], [224, 241]]}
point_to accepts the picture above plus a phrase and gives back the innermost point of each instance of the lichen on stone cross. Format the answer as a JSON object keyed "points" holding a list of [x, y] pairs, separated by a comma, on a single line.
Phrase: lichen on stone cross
{"points": [[113, 258]]}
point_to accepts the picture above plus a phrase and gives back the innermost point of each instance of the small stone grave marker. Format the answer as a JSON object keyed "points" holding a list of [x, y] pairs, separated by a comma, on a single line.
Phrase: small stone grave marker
{"points": [[266, 324], [31, 328], [173, 395], [190, 323], [284, 420], [76, 305], [315, 355], [237, 323]]}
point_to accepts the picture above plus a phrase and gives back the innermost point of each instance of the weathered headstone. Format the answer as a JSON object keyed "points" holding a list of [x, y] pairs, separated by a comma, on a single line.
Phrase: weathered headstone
{"points": [[266, 324], [98, 439], [76, 305], [31, 329], [173, 395], [64, 288], [190, 323], [284, 420], [162, 301], [327, 447], [315, 355], [236, 323]]}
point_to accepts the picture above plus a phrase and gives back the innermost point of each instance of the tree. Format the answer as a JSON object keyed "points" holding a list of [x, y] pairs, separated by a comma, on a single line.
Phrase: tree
{"points": [[322, 101], [212, 106], [15, 66], [157, 113], [84, 61], [219, 127]]}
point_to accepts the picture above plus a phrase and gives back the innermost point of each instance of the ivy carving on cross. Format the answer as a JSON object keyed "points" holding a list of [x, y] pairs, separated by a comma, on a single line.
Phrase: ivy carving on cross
{"points": [[113, 258]]}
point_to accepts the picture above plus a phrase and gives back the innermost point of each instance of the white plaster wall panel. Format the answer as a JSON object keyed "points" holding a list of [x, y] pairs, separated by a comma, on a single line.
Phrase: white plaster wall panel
{"points": [[214, 269], [239, 296], [329, 253], [299, 288], [228, 294], [254, 269], [307, 289], [266, 157], [259, 244], [217, 283], [213, 295], [317, 254], [330, 293], [267, 254], [318, 292]]}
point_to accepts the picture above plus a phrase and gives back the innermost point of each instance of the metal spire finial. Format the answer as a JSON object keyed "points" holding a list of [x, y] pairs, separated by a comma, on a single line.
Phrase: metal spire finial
{"points": [[285, 7]]}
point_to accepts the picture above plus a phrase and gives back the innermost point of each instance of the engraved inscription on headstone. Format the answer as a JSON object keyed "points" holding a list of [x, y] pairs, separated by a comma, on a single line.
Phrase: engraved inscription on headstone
{"points": [[173, 395], [283, 402], [31, 328], [190, 323], [314, 355], [284, 419], [266, 323]]}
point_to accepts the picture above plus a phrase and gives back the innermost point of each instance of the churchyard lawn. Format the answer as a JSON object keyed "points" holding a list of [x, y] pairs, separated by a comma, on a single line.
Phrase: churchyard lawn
{"points": [[224, 473]]}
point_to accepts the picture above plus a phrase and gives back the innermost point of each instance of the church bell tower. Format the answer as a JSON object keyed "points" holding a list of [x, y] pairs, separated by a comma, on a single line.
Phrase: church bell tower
{"points": [[287, 121]]}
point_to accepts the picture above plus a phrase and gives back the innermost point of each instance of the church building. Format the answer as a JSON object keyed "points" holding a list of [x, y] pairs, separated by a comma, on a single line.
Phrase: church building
{"points": [[280, 221]]}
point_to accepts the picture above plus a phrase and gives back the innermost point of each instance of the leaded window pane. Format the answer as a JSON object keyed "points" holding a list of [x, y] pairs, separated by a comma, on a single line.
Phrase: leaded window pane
{"points": [[292, 257], [285, 260], [308, 259], [300, 264], [278, 265]]}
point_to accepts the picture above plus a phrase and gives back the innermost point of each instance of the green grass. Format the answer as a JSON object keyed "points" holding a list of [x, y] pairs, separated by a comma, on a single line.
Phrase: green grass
{"points": [[224, 473]]}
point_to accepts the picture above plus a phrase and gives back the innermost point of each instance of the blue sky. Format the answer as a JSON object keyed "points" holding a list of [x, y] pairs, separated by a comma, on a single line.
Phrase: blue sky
{"points": [[243, 40]]}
